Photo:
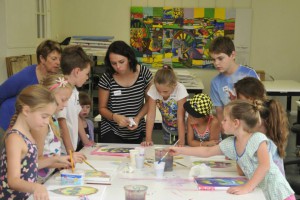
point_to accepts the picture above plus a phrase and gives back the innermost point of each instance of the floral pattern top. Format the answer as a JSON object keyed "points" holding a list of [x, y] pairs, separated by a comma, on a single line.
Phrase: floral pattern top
{"points": [[29, 169]]}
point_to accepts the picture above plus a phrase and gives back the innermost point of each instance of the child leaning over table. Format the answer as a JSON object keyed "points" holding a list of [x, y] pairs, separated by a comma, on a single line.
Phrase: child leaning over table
{"points": [[203, 128], [249, 149], [274, 117], [75, 65], [48, 138], [88, 125], [18, 164], [169, 96]]}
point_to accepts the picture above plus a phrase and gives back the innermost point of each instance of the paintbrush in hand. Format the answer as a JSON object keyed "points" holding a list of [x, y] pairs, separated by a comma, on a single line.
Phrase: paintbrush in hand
{"points": [[161, 159]]}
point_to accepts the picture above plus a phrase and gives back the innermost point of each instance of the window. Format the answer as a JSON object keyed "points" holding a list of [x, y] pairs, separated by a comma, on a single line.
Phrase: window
{"points": [[42, 18]]}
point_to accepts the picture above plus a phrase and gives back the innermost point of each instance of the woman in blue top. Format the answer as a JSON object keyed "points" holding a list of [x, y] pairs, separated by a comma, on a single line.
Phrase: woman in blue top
{"points": [[48, 58]]}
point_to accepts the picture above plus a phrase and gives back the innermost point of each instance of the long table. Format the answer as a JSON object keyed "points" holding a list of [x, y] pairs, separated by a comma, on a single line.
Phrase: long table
{"points": [[286, 88], [175, 185]]}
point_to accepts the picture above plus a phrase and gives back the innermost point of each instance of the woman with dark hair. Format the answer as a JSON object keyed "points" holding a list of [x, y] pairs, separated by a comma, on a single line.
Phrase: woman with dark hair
{"points": [[123, 96], [48, 55]]}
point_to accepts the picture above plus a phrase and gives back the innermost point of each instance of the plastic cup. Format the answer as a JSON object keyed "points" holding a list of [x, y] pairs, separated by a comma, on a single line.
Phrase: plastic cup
{"points": [[132, 153], [135, 192], [141, 150], [159, 153], [159, 168], [139, 161]]}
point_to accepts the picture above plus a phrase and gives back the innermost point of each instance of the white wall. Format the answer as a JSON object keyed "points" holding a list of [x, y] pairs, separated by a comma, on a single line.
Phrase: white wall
{"points": [[18, 30], [3, 74], [275, 43]]}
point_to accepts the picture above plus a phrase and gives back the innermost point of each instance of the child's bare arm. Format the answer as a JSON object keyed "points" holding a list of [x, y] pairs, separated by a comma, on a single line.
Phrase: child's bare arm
{"points": [[16, 149], [219, 113], [181, 122], [150, 122], [65, 134], [215, 129], [82, 134], [197, 151], [259, 174]]}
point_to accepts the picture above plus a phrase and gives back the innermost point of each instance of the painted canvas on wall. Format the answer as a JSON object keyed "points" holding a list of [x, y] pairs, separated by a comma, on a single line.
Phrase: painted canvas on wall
{"points": [[179, 37]]}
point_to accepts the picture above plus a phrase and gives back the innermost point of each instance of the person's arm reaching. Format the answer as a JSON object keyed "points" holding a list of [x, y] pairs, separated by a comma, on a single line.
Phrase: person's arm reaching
{"points": [[65, 134], [181, 122]]}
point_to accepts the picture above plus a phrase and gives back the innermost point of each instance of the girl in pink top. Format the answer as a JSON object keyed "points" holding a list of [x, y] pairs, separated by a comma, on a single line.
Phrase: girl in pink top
{"points": [[203, 129]]}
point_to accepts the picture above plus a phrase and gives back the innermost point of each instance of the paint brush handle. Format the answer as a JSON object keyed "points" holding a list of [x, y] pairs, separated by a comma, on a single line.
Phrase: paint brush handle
{"points": [[72, 161], [167, 152], [86, 162]]}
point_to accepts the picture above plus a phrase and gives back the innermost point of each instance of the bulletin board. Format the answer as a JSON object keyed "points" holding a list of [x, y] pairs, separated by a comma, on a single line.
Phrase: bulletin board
{"points": [[181, 37]]}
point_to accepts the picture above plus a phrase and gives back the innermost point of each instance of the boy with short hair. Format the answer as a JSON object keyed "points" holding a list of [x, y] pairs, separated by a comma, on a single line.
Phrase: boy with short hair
{"points": [[223, 53], [75, 65]]}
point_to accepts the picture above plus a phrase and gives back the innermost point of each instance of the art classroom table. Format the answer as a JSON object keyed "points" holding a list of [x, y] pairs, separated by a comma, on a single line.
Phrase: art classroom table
{"points": [[175, 185], [286, 88]]}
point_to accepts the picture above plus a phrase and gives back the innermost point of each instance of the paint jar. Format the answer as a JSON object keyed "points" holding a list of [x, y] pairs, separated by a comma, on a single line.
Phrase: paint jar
{"points": [[133, 153], [67, 177], [159, 153], [159, 169], [135, 192]]}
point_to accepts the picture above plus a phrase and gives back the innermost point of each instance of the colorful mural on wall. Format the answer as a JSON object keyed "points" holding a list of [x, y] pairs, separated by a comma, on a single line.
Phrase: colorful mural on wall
{"points": [[179, 37]]}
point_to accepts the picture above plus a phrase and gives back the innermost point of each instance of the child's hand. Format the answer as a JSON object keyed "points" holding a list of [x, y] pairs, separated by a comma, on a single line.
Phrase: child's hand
{"points": [[239, 190], [40, 192], [180, 144], [175, 150], [147, 143], [212, 143], [64, 161], [89, 144], [78, 157]]}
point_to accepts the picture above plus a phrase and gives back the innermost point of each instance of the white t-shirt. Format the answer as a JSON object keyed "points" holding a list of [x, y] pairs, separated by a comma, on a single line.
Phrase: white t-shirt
{"points": [[71, 113], [169, 107]]}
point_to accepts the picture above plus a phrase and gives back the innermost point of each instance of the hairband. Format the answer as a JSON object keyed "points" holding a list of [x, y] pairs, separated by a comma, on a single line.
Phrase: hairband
{"points": [[60, 82]]}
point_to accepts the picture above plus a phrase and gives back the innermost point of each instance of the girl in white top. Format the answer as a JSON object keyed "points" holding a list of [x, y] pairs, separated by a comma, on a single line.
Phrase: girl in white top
{"points": [[249, 149], [169, 96], [49, 139]]}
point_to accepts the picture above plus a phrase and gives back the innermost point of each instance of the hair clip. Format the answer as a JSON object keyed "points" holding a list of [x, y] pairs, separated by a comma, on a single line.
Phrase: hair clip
{"points": [[60, 82], [166, 67]]}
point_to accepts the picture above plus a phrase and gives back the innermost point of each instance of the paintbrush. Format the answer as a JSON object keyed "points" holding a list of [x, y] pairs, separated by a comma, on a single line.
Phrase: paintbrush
{"points": [[161, 159], [72, 161], [180, 164], [86, 162]]}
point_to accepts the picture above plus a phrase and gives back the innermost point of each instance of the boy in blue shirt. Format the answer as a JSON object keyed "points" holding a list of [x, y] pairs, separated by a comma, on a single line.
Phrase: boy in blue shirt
{"points": [[222, 51]]}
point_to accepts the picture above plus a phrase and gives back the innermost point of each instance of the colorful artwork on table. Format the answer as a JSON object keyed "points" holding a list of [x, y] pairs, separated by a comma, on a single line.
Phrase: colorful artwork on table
{"points": [[92, 176], [214, 164], [113, 151], [219, 183], [94, 192], [225, 166], [178, 36], [75, 190]]}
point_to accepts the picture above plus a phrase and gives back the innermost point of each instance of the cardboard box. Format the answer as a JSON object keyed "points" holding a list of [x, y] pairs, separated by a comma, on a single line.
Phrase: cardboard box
{"points": [[261, 74]]}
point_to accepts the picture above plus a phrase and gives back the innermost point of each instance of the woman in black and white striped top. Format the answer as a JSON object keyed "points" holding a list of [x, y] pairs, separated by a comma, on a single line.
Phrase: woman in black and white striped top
{"points": [[122, 93]]}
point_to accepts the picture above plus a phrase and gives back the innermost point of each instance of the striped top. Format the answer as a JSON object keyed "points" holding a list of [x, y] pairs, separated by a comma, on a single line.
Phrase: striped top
{"points": [[127, 101]]}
